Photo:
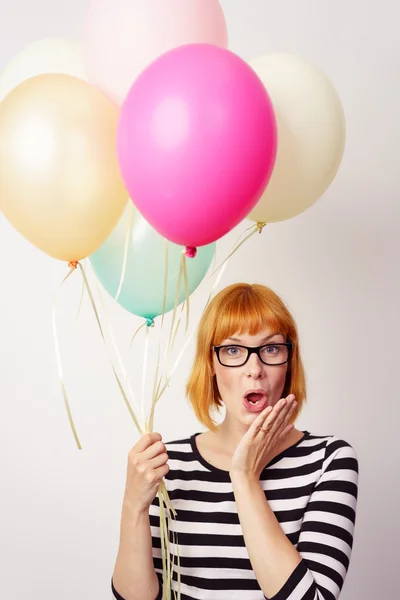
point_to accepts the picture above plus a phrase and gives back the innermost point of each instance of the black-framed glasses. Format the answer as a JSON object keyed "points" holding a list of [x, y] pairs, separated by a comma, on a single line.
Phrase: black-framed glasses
{"points": [[234, 355]]}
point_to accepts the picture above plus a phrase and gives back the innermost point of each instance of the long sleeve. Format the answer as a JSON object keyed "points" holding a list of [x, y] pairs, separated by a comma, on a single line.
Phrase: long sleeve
{"points": [[154, 515], [326, 535], [118, 596]]}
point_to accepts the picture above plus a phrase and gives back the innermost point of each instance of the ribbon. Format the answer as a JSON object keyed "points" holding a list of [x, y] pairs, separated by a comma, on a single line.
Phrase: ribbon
{"points": [[72, 267], [128, 232], [167, 512]]}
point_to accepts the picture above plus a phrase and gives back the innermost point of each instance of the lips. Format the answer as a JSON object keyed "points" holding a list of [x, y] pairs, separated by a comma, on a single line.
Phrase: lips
{"points": [[255, 400]]}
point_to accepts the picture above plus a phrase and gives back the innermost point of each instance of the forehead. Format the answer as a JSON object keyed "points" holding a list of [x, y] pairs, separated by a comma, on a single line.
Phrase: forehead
{"points": [[260, 337], [252, 328]]}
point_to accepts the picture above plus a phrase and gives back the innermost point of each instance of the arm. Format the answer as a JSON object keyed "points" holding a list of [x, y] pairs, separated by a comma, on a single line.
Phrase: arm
{"points": [[317, 569], [134, 575]]}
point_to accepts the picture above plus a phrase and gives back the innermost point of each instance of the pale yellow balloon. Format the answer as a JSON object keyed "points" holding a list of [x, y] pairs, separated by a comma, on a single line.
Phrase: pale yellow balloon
{"points": [[49, 55], [311, 135], [60, 184]]}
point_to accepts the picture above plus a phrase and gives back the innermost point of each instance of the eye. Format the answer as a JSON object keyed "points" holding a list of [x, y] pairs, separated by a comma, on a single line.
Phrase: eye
{"points": [[271, 349], [232, 351]]}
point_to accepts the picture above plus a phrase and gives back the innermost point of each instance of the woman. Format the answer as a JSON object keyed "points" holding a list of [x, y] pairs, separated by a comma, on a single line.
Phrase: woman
{"points": [[264, 510]]}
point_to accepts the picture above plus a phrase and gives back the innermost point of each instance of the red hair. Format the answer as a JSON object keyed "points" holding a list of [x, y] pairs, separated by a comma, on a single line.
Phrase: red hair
{"points": [[241, 308]]}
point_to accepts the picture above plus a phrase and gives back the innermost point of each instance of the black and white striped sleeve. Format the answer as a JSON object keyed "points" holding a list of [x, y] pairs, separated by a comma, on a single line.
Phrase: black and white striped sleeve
{"points": [[154, 515], [326, 536]]}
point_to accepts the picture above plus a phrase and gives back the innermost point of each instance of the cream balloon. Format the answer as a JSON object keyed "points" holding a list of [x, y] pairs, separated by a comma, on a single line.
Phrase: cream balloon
{"points": [[311, 135], [50, 55], [60, 184]]}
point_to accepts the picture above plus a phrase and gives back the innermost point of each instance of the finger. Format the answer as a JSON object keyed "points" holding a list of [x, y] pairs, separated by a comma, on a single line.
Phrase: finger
{"points": [[259, 421], [146, 441], [283, 415], [162, 471], [286, 432], [268, 417], [272, 418], [159, 461], [291, 410], [155, 450]]}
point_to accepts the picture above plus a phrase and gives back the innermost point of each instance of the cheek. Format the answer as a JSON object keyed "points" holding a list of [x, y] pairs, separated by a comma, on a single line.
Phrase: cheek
{"points": [[225, 378], [280, 380]]}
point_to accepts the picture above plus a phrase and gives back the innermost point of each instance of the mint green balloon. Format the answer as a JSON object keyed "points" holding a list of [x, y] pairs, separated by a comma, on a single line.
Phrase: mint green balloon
{"points": [[142, 290]]}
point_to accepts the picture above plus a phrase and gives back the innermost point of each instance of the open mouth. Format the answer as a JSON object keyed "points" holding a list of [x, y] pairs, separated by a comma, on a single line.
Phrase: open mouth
{"points": [[255, 401]]}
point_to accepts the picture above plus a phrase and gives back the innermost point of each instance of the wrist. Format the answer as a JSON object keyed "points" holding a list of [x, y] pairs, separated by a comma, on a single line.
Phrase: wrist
{"points": [[134, 511], [241, 478]]}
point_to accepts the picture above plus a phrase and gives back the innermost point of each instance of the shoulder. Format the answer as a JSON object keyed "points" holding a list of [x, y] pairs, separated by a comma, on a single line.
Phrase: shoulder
{"points": [[331, 445], [338, 457], [180, 451], [338, 448]]}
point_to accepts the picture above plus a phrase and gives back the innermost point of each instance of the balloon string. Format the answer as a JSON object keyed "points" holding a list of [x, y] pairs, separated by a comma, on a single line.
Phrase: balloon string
{"points": [[173, 333], [156, 383], [165, 521], [163, 493], [120, 386], [112, 339], [171, 339], [72, 267], [158, 391], [144, 373], [177, 294], [164, 304], [165, 541], [187, 292], [128, 233], [170, 344], [80, 301], [136, 332], [256, 228]]}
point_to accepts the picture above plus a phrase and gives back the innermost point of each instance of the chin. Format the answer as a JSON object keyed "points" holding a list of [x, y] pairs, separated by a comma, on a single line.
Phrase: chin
{"points": [[249, 418]]}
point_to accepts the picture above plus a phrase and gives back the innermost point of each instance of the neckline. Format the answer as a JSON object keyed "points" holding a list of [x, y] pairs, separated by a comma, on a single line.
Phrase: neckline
{"points": [[209, 467]]}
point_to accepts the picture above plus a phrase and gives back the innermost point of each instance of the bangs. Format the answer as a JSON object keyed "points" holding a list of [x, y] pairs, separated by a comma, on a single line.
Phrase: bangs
{"points": [[249, 312]]}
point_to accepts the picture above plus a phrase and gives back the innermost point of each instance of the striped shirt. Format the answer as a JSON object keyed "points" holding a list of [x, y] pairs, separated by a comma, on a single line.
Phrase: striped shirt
{"points": [[311, 488]]}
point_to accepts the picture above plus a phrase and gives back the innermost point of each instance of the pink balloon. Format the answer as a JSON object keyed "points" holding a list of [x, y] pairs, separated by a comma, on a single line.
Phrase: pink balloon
{"points": [[122, 37], [196, 143]]}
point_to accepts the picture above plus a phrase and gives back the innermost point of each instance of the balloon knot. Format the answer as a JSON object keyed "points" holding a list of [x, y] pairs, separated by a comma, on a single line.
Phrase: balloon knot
{"points": [[190, 251], [150, 322], [260, 226], [73, 264]]}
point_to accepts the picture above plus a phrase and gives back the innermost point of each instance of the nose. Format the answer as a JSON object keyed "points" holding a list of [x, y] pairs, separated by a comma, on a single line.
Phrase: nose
{"points": [[254, 367]]}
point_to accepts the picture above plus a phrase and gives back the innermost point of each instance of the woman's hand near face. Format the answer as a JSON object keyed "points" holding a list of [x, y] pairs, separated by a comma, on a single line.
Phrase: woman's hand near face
{"points": [[264, 438]]}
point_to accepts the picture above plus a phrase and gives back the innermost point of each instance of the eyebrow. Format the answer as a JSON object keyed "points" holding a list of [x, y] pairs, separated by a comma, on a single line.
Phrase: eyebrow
{"points": [[239, 341]]}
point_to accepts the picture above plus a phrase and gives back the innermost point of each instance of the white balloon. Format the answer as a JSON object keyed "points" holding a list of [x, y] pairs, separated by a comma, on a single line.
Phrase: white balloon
{"points": [[50, 55], [311, 135]]}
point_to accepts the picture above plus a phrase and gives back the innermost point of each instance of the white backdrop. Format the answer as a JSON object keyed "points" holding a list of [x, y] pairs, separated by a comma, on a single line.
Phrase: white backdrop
{"points": [[336, 266]]}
